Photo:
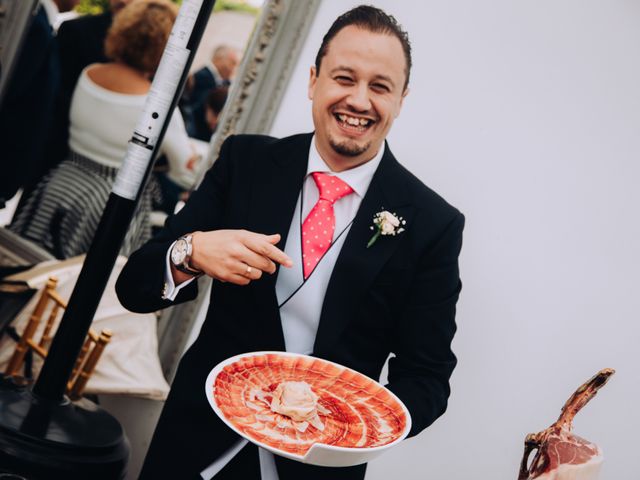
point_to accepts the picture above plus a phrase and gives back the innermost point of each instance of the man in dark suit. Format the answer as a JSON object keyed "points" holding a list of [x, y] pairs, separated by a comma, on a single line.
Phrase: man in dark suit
{"points": [[353, 302], [217, 73], [27, 109]]}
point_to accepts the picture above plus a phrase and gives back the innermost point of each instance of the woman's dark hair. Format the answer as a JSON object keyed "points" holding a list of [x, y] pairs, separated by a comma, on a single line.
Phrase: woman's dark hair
{"points": [[217, 98]]}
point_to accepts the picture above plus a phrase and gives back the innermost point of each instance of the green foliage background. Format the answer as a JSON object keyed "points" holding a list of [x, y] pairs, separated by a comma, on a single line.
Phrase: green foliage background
{"points": [[92, 6], [98, 6]]}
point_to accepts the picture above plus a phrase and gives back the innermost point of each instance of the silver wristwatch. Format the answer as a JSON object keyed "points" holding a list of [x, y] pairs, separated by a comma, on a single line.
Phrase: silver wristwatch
{"points": [[181, 255]]}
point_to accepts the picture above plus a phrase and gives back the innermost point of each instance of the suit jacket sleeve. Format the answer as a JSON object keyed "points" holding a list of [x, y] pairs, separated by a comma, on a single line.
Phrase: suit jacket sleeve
{"points": [[26, 111], [419, 373], [141, 282], [71, 65], [204, 81]]}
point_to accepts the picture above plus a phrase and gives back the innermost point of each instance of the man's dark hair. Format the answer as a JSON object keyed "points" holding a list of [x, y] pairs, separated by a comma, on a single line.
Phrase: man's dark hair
{"points": [[374, 20]]}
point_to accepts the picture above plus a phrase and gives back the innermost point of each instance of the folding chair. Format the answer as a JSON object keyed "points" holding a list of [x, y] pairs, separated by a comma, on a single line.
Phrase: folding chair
{"points": [[88, 357]]}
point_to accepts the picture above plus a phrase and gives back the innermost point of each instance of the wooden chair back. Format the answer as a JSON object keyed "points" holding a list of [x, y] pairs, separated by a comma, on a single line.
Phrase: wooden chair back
{"points": [[88, 357]]}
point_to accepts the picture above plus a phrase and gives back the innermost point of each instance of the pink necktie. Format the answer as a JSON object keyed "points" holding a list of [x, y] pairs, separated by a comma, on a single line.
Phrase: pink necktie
{"points": [[318, 227]]}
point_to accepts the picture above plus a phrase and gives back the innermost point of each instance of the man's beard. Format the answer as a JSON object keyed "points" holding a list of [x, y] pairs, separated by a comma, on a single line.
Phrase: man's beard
{"points": [[349, 148]]}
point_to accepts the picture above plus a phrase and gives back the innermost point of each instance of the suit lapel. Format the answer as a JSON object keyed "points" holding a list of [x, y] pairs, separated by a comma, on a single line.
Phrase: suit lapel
{"points": [[357, 266], [276, 184]]}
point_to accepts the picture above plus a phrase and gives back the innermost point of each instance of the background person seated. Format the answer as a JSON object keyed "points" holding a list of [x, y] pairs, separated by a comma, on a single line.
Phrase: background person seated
{"points": [[64, 210]]}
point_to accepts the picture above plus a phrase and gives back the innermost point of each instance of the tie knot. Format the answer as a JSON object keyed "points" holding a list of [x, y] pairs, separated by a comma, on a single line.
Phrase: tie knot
{"points": [[331, 188]]}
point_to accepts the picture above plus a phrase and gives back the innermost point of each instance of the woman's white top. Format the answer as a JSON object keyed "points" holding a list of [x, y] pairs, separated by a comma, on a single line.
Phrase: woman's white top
{"points": [[101, 123]]}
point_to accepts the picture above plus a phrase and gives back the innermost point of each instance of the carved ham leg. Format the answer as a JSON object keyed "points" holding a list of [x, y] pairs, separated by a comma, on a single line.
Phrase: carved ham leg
{"points": [[562, 455]]}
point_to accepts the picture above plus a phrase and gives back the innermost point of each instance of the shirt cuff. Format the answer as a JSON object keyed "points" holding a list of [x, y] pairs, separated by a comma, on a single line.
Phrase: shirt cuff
{"points": [[171, 290]]}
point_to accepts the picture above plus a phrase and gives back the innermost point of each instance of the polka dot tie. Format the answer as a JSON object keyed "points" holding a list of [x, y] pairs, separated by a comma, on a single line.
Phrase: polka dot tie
{"points": [[320, 224]]}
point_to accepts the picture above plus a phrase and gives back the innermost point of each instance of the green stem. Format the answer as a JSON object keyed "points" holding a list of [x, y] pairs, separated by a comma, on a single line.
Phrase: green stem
{"points": [[373, 239]]}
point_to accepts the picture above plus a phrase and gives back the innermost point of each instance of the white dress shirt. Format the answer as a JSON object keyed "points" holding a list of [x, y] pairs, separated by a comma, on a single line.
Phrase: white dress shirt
{"points": [[301, 301], [51, 10], [216, 74]]}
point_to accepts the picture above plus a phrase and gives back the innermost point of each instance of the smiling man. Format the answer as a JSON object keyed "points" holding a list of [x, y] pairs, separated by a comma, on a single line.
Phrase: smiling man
{"points": [[370, 256]]}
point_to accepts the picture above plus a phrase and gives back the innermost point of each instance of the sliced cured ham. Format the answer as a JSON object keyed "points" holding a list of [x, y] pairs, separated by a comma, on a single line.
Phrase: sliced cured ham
{"points": [[561, 455], [292, 402]]}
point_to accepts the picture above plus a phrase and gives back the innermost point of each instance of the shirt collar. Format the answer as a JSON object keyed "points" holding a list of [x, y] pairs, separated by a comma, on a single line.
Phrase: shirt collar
{"points": [[214, 71], [51, 9], [357, 178]]}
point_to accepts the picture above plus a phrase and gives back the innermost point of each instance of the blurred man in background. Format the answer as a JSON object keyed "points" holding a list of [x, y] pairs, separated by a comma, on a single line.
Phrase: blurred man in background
{"points": [[218, 73]]}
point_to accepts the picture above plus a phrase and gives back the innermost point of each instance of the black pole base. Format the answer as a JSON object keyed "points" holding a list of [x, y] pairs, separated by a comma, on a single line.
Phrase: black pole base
{"points": [[40, 439]]}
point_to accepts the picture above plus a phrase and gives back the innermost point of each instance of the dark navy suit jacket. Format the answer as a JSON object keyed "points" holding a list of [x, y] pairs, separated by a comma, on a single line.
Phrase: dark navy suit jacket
{"points": [[193, 103], [27, 108], [203, 82]]}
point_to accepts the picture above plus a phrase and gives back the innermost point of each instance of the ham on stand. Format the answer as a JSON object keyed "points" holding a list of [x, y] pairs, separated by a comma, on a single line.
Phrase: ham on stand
{"points": [[561, 455]]}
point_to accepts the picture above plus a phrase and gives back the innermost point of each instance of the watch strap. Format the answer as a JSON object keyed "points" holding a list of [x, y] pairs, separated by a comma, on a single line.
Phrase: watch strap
{"points": [[185, 266]]}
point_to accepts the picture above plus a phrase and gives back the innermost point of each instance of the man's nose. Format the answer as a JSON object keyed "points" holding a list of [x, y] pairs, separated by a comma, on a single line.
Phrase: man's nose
{"points": [[358, 98]]}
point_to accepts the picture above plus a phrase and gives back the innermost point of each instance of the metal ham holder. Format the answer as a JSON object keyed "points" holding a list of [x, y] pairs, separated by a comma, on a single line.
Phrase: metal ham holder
{"points": [[42, 433]]}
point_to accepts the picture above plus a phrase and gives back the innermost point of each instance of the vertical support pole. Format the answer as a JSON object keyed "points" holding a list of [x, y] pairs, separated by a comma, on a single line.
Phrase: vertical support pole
{"points": [[143, 147]]}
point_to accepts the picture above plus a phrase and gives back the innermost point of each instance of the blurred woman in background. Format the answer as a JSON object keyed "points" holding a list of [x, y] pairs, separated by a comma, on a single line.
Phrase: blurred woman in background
{"points": [[63, 212]]}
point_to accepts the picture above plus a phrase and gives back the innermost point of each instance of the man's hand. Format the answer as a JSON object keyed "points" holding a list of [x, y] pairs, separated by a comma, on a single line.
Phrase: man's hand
{"points": [[236, 256]]}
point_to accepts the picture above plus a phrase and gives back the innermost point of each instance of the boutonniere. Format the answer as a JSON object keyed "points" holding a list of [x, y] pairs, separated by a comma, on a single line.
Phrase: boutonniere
{"points": [[386, 223]]}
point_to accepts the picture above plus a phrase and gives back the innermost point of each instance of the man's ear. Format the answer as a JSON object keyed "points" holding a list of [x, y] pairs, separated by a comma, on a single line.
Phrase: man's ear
{"points": [[404, 94], [312, 82]]}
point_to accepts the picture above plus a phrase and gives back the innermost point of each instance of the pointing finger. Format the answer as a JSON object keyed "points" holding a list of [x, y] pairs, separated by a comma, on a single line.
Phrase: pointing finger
{"points": [[263, 246]]}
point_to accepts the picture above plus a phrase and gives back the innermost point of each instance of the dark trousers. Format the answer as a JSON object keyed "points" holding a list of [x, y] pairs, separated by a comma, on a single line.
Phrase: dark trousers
{"points": [[244, 466]]}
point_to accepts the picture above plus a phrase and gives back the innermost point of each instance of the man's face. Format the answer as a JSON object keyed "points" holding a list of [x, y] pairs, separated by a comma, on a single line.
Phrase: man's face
{"points": [[228, 64], [117, 5], [356, 96]]}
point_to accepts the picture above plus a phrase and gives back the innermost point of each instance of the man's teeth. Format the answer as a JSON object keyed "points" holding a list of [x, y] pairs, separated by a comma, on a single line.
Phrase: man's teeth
{"points": [[353, 121]]}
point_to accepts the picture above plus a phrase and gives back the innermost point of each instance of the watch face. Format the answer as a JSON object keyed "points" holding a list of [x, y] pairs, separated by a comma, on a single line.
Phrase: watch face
{"points": [[179, 252]]}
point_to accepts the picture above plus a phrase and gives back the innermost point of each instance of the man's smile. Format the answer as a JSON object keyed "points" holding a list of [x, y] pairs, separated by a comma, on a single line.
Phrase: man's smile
{"points": [[353, 124], [356, 95]]}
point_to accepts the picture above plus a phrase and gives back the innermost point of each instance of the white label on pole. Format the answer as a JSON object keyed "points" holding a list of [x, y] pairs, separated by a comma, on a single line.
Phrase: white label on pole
{"points": [[131, 173], [163, 88], [183, 25], [167, 76]]}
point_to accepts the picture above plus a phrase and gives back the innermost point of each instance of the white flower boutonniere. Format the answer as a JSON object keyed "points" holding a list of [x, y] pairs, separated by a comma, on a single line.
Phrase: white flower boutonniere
{"points": [[386, 223]]}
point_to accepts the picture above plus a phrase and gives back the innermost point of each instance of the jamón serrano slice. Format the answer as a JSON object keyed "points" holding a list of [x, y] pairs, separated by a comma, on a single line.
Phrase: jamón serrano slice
{"points": [[354, 410]]}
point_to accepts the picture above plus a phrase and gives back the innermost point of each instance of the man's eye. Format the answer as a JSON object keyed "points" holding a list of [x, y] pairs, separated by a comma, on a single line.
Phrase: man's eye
{"points": [[343, 79], [380, 87]]}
